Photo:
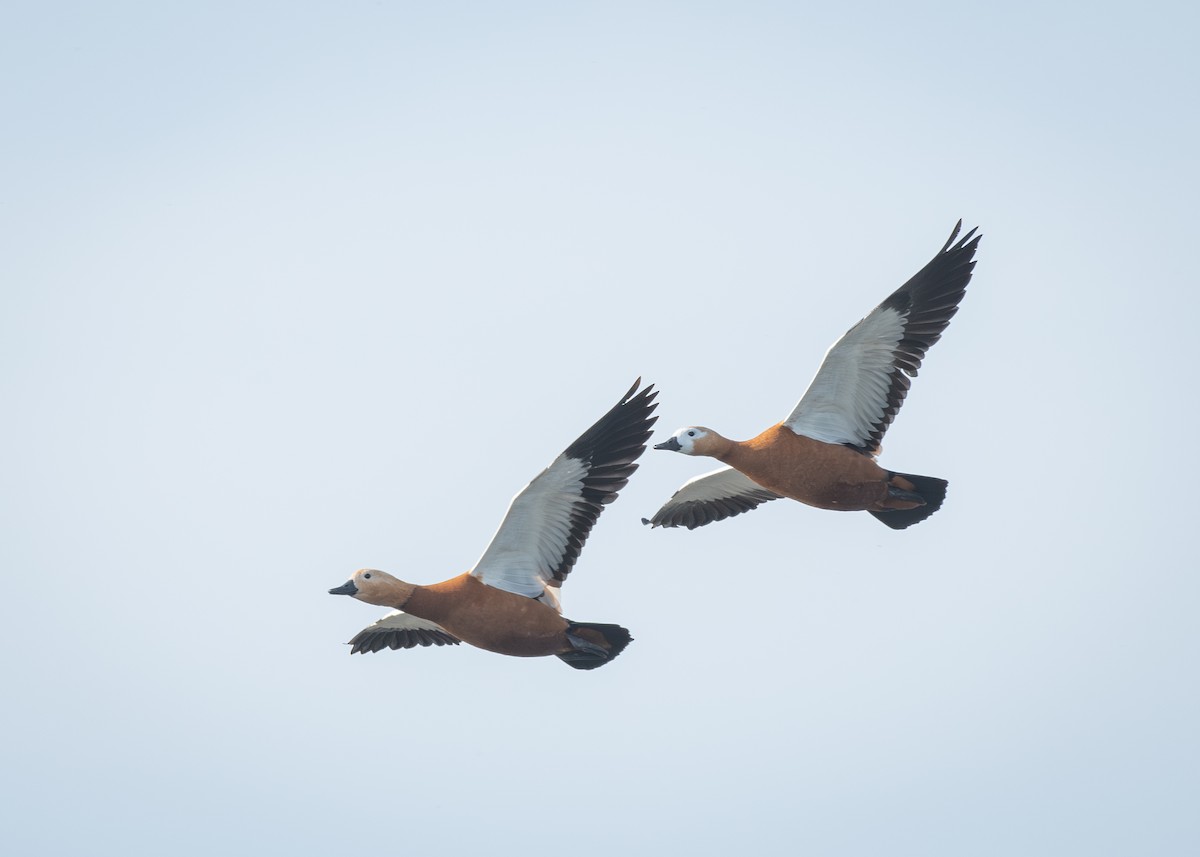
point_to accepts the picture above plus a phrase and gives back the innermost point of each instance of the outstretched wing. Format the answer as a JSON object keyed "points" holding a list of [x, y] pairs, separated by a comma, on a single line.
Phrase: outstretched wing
{"points": [[399, 630], [714, 496], [865, 375], [550, 519]]}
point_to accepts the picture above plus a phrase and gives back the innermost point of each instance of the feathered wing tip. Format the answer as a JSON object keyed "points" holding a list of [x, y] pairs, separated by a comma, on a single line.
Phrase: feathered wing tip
{"points": [[693, 515], [714, 496], [927, 302], [367, 641], [610, 449], [940, 285], [954, 234], [930, 298], [617, 439], [400, 630]]}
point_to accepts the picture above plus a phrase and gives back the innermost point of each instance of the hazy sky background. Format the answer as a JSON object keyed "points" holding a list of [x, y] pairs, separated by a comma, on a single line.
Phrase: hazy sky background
{"points": [[294, 288]]}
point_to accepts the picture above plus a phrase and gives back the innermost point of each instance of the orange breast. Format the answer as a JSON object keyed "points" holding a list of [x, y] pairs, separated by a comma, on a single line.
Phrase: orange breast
{"points": [[491, 618], [826, 475]]}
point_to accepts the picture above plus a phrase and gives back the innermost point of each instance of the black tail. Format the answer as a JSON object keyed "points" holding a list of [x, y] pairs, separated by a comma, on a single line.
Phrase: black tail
{"points": [[595, 644], [931, 489]]}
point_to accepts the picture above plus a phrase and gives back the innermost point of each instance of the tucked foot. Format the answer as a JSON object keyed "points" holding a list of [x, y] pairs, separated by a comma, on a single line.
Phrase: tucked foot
{"points": [[593, 644], [903, 496], [911, 499]]}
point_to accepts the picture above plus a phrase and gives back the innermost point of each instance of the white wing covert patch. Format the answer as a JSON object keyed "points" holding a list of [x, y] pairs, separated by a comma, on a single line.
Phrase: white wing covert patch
{"points": [[849, 394], [529, 544], [549, 521], [865, 376]]}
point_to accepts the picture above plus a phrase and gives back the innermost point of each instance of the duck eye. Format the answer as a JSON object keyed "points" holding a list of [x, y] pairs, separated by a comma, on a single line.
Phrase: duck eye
{"points": [[367, 575], [691, 434]]}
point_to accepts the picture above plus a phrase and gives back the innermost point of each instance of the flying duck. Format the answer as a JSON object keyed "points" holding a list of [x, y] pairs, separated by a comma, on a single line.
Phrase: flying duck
{"points": [[824, 453], [509, 603]]}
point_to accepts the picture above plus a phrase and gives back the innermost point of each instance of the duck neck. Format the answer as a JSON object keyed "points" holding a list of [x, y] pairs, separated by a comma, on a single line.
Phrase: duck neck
{"points": [[720, 447], [400, 593], [431, 602]]}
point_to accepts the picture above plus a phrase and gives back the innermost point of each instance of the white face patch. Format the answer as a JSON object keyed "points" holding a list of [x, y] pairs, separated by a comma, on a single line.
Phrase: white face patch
{"points": [[687, 437]]}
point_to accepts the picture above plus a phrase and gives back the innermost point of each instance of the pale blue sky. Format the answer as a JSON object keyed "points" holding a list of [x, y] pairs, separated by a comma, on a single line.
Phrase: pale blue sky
{"points": [[293, 288]]}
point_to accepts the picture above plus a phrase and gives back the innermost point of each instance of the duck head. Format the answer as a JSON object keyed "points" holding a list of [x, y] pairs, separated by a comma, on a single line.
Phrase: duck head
{"points": [[375, 587], [693, 440]]}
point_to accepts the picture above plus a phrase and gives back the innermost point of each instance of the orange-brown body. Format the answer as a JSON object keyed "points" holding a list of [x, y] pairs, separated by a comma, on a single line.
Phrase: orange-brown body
{"points": [[825, 475], [491, 618]]}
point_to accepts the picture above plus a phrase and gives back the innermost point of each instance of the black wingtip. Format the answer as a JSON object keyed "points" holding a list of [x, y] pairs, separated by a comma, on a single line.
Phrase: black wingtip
{"points": [[953, 235], [969, 238], [626, 426], [610, 450], [368, 640]]}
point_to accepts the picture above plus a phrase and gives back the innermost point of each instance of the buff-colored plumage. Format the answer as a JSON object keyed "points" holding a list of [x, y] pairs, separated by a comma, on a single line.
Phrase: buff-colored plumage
{"points": [[823, 453], [509, 603]]}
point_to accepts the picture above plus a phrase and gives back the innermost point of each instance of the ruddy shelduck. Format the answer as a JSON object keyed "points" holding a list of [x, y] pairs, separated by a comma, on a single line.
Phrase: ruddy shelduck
{"points": [[824, 453], [509, 603]]}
